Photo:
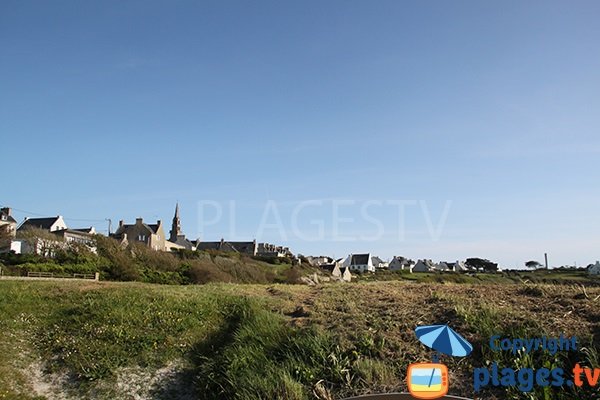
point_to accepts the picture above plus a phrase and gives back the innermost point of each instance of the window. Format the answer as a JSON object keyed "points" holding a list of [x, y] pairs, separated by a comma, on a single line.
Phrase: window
{"points": [[142, 238]]}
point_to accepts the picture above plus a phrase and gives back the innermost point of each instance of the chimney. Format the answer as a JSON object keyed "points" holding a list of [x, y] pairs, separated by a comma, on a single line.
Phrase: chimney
{"points": [[120, 223], [7, 211], [158, 222], [139, 221]]}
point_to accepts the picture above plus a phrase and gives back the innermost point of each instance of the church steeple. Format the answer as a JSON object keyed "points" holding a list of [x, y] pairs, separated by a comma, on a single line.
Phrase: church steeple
{"points": [[176, 226]]}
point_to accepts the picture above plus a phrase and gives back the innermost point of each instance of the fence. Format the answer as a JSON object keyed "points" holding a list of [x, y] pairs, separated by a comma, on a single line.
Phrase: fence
{"points": [[52, 275]]}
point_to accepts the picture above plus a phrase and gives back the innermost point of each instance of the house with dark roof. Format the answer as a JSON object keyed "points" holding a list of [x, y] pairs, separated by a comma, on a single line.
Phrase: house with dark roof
{"points": [[360, 263], [338, 271], [49, 224], [151, 235], [249, 248], [82, 236], [424, 266], [271, 250], [400, 263]]}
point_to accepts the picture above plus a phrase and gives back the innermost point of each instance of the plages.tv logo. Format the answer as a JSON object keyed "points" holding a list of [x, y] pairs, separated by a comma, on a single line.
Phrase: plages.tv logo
{"points": [[430, 380]]}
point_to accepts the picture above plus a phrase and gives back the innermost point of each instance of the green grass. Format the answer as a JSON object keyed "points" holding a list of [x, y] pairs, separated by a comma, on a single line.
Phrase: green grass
{"points": [[269, 341], [234, 346]]}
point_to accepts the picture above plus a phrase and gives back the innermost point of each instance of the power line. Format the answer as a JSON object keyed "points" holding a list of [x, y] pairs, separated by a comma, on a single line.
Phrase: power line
{"points": [[68, 219]]}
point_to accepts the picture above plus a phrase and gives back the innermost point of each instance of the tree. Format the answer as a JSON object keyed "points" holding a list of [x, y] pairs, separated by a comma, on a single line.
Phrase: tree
{"points": [[533, 264], [481, 264], [41, 242], [5, 234]]}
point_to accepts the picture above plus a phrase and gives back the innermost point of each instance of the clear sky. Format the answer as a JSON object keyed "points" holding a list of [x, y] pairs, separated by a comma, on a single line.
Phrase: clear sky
{"points": [[481, 118]]}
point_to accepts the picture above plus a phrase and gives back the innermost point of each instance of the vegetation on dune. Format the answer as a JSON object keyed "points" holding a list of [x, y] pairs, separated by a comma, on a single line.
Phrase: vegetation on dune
{"points": [[280, 341], [136, 262]]}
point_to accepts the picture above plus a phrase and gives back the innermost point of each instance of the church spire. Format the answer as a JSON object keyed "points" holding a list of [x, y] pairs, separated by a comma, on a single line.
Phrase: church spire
{"points": [[176, 226]]}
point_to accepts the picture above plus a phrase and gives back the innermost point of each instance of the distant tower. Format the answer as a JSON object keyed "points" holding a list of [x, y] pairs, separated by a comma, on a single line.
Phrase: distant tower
{"points": [[176, 227]]}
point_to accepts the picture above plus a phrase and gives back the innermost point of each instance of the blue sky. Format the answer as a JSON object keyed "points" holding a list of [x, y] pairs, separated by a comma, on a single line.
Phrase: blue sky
{"points": [[481, 116]]}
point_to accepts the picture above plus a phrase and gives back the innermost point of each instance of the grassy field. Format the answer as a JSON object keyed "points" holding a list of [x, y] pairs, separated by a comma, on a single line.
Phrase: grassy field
{"points": [[110, 340]]}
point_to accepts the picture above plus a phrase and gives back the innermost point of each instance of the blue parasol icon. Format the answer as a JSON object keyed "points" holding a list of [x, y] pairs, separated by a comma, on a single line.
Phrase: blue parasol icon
{"points": [[443, 339]]}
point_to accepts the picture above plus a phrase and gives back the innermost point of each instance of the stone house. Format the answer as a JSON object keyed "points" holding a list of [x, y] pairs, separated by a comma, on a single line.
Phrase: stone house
{"points": [[271, 250], [8, 224], [151, 235]]}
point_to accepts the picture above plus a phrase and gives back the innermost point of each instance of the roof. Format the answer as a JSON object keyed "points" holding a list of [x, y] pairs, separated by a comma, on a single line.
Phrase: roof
{"points": [[42, 223], [359, 259], [243, 247], [73, 232], [153, 227], [7, 217], [328, 267], [84, 230], [208, 245], [236, 247]]}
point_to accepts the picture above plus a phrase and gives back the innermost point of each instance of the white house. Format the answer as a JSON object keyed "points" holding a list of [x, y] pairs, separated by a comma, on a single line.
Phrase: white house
{"points": [[338, 271], [359, 263], [48, 224], [460, 266], [594, 269]]}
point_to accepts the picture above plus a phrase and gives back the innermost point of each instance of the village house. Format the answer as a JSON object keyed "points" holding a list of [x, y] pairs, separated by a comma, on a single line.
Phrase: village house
{"points": [[442, 266], [458, 266], [424, 266], [49, 224], [271, 250], [378, 263], [338, 271], [594, 269], [57, 235], [151, 235], [248, 248], [400, 263], [82, 236], [320, 260], [8, 224], [360, 263]]}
